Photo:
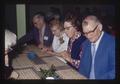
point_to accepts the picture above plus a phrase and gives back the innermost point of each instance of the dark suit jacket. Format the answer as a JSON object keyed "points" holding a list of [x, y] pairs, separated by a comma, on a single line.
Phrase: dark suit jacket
{"points": [[33, 37], [104, 59]]}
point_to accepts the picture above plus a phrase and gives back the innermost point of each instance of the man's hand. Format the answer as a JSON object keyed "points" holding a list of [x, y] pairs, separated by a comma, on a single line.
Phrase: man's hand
{"points": [[50, 52], [40, 46]]}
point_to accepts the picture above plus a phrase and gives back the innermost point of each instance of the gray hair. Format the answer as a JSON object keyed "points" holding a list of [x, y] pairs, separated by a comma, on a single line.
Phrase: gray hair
{"points": [[90, 17]]}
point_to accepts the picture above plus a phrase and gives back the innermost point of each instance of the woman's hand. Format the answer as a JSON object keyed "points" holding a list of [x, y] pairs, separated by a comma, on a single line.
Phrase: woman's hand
{"points": [[66, 55]]}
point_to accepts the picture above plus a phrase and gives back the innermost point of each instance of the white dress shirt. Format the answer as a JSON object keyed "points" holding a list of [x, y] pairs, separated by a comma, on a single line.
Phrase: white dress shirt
{"points": [[92, 73], [98, 41]]}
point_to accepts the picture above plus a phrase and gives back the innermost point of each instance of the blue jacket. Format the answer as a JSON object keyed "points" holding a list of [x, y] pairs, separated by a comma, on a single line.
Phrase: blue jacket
{"points": [[33, 37], [104, 59]]}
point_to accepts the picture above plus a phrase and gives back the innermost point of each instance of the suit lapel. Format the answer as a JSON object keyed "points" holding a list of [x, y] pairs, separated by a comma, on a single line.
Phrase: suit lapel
{"points": [[99, 51], [100, 47], [89, 56], [89, 50]]}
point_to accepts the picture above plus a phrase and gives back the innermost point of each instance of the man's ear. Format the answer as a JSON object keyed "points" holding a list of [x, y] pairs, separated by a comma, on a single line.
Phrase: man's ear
{"points": [[100, 27]]}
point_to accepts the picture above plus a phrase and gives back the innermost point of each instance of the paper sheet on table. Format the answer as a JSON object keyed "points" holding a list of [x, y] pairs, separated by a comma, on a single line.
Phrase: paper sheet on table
{"points": [[60, 58]]}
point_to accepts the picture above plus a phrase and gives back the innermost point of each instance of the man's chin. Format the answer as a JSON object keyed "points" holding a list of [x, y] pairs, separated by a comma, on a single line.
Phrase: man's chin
{"points": [[92, 41]]}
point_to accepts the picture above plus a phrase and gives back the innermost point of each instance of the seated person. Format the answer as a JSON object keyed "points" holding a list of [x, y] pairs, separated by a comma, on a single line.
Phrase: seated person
{"points": [[60, 40], [72, 29], [40, 35], [98, 58]]}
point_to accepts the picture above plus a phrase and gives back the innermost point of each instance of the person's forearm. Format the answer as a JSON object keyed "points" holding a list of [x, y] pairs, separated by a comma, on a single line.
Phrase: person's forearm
{"points": [[67, 57], [69, 60], [50, 48], [57, 54]]}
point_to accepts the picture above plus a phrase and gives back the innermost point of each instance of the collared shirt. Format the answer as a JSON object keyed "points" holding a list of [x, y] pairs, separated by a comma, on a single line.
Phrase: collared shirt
{"points": [[98, 41], [72, 40], [41, 33], [92, 73], [59, 47], [75, 62]]}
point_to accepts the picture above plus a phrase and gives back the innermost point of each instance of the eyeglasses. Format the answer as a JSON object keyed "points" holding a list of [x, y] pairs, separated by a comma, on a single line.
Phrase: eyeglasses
{"points": [[67, 28], [86, 33]]}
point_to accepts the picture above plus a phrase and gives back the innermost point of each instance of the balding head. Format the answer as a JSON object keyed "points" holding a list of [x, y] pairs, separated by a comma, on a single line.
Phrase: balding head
{"points": [[92, 27], [91, 21]]}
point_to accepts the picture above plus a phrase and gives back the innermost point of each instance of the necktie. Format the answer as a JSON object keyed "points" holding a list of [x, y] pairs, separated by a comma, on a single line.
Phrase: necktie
{"points": [[92, 73]]}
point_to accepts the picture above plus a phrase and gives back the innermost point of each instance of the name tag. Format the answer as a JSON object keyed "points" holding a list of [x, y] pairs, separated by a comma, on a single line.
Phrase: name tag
{"points": [[45, 38]]}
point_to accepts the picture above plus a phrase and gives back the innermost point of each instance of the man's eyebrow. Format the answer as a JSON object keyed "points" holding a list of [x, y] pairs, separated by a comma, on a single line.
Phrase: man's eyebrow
{"points": [[85, 22], [68, 27]]}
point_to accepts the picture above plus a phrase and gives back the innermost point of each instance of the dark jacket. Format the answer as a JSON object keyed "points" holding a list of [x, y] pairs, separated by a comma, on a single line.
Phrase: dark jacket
{"points": [[33, 37]]}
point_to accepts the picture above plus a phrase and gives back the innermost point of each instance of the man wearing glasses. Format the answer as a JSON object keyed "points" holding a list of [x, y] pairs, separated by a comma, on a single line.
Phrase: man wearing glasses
{"points": [[98, 60]]}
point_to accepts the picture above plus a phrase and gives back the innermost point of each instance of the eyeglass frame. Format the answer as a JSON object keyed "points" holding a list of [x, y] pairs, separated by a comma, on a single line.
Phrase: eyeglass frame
{"points": [[86, 33], [68, 27]]}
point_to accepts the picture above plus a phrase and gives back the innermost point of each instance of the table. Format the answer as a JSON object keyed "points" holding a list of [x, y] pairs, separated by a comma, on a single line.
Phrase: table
{"points": [[28, 69]]}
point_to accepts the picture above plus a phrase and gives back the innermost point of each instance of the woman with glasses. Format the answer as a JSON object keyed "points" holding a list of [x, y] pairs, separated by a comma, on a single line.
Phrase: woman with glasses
{"points": [[72, 29]]}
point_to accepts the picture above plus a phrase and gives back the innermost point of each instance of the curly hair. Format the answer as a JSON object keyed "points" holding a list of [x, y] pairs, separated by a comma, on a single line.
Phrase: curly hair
{"points": [[57, 23], [74, 20]]}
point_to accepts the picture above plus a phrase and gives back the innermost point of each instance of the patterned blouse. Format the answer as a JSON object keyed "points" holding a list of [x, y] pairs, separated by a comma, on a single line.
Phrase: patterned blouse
{"points": [[75, 62]]}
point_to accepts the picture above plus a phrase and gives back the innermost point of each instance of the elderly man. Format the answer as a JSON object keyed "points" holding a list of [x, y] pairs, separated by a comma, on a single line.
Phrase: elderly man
{"points": [[98, 60]]}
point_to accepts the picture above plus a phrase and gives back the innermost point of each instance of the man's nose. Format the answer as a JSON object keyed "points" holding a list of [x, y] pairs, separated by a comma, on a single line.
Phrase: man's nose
{"points": [[53, 32], [65, 31]]}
